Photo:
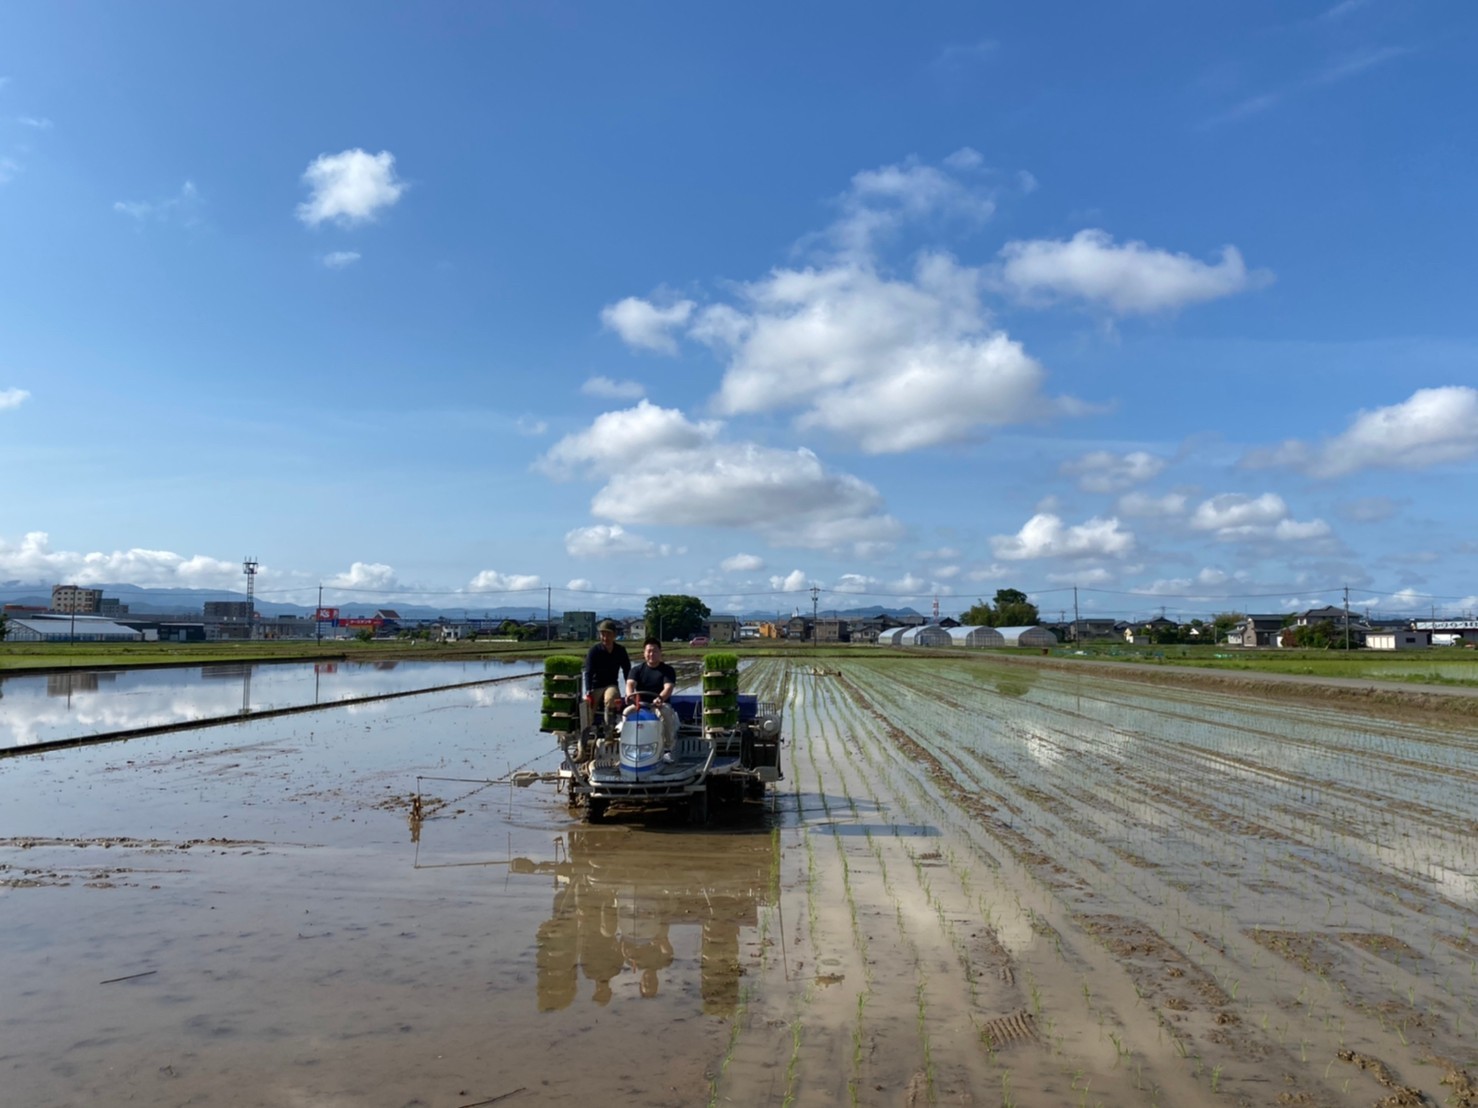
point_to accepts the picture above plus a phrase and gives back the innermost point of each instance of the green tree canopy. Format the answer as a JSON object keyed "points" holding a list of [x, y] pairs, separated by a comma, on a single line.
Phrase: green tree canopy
{"points": [[1011, 609], [675, 617]]}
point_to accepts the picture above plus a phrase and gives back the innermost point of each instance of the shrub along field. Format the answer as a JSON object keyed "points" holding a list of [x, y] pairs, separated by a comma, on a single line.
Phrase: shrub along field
{"points": [[1048, 886]]}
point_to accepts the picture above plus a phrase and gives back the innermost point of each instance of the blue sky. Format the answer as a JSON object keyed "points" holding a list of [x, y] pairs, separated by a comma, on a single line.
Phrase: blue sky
{"points": [[1169, 302]]}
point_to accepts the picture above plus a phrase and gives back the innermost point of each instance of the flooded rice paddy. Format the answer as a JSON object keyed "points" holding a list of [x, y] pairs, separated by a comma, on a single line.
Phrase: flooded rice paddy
{"points": [[979, 883], [48, 707]]}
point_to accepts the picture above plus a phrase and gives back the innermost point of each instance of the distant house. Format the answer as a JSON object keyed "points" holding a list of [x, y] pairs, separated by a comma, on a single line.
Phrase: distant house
{"points": [[1265, 630], [722, 629], [577, 626], [1086, 630], [1398, 640], [831, 630]]}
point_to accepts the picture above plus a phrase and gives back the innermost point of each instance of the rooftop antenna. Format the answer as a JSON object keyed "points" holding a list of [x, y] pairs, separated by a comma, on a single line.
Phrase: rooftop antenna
{"points": [[249, 567]]}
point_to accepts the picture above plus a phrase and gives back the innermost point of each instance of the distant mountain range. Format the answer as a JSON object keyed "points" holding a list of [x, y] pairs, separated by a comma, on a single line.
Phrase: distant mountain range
{"points": [[164, 601]]}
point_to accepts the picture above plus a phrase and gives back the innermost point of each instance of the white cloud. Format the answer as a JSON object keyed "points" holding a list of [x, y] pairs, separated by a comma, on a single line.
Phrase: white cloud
{"points": [[1089, 576], [892, 364], [613, 390], [37, 123], [1104, 471], [8, 169], [184, 207], [1046, 536], [608, 541], [662, 468], [1235, 516], [632, 436], [794, 581], [742, 563], [580, 584], [909, 585], [1144, 506], [1431, 427], [854, 583], [1236, 511], [640, 323], [32, 559], [349, 187], [13, 398], [364, 575], [1131, 279], [338, 259], [529, 425], [881, 200], [490, 580]]}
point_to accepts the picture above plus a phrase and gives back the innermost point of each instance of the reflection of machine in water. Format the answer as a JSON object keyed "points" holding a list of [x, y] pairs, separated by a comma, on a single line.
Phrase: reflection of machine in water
{"points": [[620, 898]]}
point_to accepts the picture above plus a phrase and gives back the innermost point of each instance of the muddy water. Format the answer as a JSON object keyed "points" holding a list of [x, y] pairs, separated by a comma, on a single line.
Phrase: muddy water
{"points": [[246, 915], [977, 884], [45, 707]]}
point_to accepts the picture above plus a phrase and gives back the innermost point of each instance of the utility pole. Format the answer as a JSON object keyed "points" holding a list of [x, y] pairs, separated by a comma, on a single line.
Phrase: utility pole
{"points": [[1347, 619], [548, 612], [815, 631], [1075, 613]]}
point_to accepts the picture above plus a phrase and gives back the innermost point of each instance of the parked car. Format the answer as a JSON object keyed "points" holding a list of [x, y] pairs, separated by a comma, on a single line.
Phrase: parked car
{"points": [[698, 640]]}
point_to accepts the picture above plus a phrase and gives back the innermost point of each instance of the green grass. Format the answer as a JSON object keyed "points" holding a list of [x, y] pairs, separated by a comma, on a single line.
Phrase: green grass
{"points": [[18, 657], [1436, 666]]}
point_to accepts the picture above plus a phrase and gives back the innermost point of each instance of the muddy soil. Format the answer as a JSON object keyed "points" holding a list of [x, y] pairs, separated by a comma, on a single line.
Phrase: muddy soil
{"points": [[976, 885]]}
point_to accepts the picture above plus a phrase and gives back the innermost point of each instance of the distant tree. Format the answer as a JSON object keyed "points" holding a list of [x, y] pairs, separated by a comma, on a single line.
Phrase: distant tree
{"points": [[365, 635], [675, 616], [3, 627], [1323, 635], [1014, 610], [978, 614], [1011, 609]]}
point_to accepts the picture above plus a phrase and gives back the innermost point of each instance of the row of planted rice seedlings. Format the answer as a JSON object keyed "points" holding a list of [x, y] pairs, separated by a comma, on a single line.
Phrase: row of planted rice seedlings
{"points": [[941, 967], [1254, 792], [1330, 837], [1071, 1024], [859, 979], [817, 1054]]}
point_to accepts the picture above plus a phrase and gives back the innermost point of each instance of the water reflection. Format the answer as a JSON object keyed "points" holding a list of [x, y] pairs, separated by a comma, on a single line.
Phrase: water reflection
{"points": [[622, 897], [38, 708]]}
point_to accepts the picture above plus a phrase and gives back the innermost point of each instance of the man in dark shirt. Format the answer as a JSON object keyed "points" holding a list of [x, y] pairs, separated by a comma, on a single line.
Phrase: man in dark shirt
{"points": [[653, 680], [607, 668]]}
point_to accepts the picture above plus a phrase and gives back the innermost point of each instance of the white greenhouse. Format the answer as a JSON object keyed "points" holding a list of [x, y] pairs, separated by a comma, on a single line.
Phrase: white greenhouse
{"points": [[927, 635], [889, 636], [1027, 636], [976, 636]]}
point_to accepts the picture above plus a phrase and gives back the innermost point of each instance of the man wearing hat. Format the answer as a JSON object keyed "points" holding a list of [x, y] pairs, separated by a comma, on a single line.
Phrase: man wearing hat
{"points": [[607, 666]]}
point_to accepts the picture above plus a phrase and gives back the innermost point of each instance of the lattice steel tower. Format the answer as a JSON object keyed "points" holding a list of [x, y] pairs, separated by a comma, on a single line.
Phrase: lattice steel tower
{"points": [[249, 567]]}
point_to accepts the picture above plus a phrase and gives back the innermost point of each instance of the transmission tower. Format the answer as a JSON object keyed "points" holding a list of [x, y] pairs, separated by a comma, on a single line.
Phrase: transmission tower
{"points": [[249, 567]]}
